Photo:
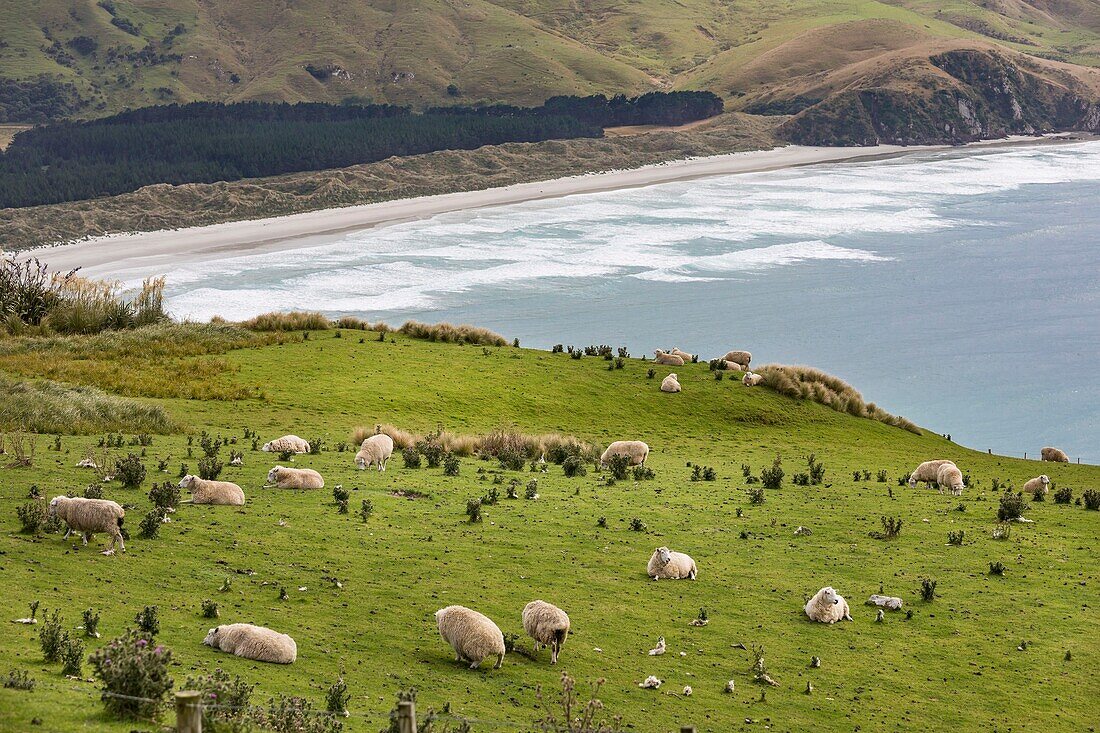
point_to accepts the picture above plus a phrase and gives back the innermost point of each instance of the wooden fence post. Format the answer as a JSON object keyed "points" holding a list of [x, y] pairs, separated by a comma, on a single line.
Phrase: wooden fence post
{"points": [[406, 716], [188, 711]]}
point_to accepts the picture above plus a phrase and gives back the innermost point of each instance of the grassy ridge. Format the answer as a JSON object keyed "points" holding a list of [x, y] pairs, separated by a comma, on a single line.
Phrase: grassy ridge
{"points": [[949, 666]]}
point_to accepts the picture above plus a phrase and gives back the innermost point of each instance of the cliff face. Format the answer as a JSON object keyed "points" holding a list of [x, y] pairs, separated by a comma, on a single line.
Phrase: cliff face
{"points": [[963, 95]]}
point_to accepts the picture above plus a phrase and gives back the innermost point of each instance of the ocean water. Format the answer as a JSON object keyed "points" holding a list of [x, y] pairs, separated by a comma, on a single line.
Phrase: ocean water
{"points": [[960, 289]]}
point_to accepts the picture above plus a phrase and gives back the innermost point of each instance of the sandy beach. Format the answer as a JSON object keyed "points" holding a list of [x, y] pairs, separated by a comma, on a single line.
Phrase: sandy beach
{"points": [[153, 252]]}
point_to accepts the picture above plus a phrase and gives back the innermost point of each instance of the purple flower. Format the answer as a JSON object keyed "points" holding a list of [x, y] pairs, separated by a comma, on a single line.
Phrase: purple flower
{"points": [[142, 643], [159, 649]]}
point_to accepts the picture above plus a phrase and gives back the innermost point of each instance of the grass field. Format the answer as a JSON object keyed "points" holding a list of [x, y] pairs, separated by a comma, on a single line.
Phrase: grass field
{"points": [[953, 665]]}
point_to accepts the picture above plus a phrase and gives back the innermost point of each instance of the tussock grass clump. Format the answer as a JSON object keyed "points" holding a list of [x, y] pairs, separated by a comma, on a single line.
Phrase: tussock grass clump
{"points": [[500, 442], [293, 321], [49, 407], [807, 383], [451, 334]]}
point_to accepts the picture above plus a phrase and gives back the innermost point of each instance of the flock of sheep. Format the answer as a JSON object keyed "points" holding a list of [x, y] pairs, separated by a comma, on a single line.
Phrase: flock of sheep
{"points": [[732, 361]]}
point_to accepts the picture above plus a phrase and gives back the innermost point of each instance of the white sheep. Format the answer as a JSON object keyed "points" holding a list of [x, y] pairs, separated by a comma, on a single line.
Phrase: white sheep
{"points": [[548, 625], [1054, 454], [664, 563], [635, 450], [88, 516], [752, 379], [294, 478], [1039, 484], [927, 472], [472, 635], [287, 443], [671, 383], [743, 358], [667, 359], [730, 366], [828, 607], [375, 450], [253, 642], [204, 491], [688, 358], [950, 478]]}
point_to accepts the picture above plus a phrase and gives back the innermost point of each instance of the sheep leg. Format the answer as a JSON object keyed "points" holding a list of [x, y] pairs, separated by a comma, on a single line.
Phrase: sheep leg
{"points": [[554, 653], [500, 662], [474, 665], [68, 531], [85, 536]]}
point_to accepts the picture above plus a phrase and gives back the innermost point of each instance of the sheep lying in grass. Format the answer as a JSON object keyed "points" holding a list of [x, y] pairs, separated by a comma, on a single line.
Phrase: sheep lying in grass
{"points": [[548, 625], [730, 366], [751, 380], [1038, 485], [743, 358], [294, 478], [375, 451], [89, 516], [667, 359], [203, 491], [1054, 454], [664, 563], [253, 642], [950, 478], [688, 358], [287, 444], [828, 607], [472, 635], [927, 472], [671, 383], [635, 450]]}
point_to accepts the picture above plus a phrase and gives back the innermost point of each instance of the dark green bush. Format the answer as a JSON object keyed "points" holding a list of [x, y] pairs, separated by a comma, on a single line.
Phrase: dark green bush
{"points": [[135, 671], [130, 471]]}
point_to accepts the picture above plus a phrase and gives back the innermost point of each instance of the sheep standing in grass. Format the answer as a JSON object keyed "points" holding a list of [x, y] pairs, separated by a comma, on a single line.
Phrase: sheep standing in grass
{"points": [[688, 358], [667, 359], [927, 472], [671, 383], [1038, 485], [203, 491], [294, 478], [472, 635], [634, 450], [950, 478], [287, 444], [664, 563], [548, 625], [751, 380], [375, 451], [1054, 454], [827, 606], [739, 357], [253, 642], [88, 516]]}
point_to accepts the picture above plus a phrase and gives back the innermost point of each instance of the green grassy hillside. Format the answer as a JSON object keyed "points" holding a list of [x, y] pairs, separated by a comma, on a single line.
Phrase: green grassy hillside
{"points": [[953, 664]]}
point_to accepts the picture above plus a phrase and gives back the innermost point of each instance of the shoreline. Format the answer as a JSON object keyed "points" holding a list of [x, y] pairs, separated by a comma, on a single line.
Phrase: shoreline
{"points": [[152, 253]]}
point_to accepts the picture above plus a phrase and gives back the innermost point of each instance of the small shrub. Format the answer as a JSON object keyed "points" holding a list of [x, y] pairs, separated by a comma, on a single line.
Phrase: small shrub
{"points": [[283, 595], [557, 349], [642, 473], [337, 698], [19, 681], [91, 623], [866, 475], [620, 363], [956, 537], [618, 465], [1063, 495], [210, 468], [286, 455], [1040, 495], [93, 491], [637, 525], [450, 465], [72, 656], [1092, 499], [339, 494], [650, 374], [366, 509], [576, 354], [1012, 506], [226, 701], [511, 460], [293, 715], [165, 495], [411, 456], [719, 376], [881, 476], [891, 528], [532, 491], [1002, 531], [136, 674], [317, 445], [210, 609], [513, 489], [772, 478], [928, 589], [51, 637], [433, 451], [817, 470], [473, 510], [856, 475], [149, 528], [602, 522], [574, 466], [492, 497], [148, 620], [746, 470], [756, 496], [130, 471], [997, 568], [801, 479], [32, 516]]}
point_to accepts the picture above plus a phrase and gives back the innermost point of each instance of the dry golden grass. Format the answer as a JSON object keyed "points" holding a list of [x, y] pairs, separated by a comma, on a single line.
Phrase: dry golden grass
{"points": [[294, 321], [551, 446], [7, 132], [451, 334]]}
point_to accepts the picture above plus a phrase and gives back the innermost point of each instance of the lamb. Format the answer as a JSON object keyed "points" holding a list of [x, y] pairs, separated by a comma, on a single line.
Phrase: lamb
{"points": [[548, 625], [203, 491], [253, 642], [635, 450], [667, 359], [472, 635], [287, 443], [927, 472], [671, 565], [741, 357], [688, 358], [88, 516], [1054, 454], [294, 478], [828, 607], [751, 379], [671, 383], [375, 450], [951, 478], [1039, 484]]}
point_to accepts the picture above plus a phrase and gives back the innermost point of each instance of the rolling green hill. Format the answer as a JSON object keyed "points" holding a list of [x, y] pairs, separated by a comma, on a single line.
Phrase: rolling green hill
{"points": [[953, 664]]}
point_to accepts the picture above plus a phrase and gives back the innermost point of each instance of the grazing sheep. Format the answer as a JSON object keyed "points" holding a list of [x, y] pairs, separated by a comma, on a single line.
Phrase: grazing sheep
{"points": [[1054, 454], [751, 380], [375, 450], [472, 635], [741, 357], [294, 478], [688, 358], [291, 443], [253, 642], [548, 625], [828, 607], [203, 491], [950, 478], [667, 359], [671, 565], [88, 516], [671, 383], [635, 450], [927, 472], [1039, 484]]}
